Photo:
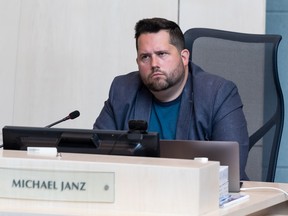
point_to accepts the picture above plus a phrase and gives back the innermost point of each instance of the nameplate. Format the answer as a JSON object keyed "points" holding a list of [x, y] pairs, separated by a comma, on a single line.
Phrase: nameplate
{"points": [[57, 185]]}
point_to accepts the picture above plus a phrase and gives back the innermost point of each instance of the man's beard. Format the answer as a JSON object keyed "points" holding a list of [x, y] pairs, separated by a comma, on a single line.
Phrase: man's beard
{"points": [[166, 81], [160, 84]]}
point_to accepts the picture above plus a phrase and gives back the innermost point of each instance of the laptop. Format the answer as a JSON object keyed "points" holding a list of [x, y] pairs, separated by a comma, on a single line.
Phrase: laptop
{"points": [[226, 152]]}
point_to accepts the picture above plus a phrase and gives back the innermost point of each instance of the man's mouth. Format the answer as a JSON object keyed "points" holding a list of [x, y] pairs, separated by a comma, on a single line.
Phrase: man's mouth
{"points": [[157, 74]]}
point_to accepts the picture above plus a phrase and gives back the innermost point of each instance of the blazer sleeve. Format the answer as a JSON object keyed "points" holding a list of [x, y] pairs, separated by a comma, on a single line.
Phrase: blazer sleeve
{"points": [[119, 106], [229, 122]]}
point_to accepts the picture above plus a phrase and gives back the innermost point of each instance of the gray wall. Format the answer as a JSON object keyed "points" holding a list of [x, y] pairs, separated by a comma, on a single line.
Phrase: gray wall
{"points": [[277, 23]]}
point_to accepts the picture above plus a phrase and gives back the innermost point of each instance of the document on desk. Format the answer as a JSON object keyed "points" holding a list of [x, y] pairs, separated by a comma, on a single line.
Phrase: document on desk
{"points": [[234, 199]]}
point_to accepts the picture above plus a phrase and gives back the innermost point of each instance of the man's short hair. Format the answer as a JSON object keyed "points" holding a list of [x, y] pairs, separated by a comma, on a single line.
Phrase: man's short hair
{"points": [[154, 25]]}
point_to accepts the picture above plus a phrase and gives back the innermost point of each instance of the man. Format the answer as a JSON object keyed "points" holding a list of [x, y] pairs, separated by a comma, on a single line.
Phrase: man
{"points": [[177, 98]]}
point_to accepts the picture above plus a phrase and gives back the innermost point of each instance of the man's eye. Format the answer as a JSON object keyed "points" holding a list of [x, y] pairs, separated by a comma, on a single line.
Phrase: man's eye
{"points": [[162, 54], [145, 58]]}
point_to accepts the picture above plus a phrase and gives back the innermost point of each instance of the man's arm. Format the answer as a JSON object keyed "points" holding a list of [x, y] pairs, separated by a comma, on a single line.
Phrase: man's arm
{"points": [[229, 121]]}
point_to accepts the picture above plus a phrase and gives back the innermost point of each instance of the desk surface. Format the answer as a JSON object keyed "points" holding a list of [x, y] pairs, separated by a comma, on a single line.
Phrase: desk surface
{"points": [[264, 199]]}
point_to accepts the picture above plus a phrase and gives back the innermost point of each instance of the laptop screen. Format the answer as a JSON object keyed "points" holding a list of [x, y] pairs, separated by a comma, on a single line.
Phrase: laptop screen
{"points": [[226, 152]]}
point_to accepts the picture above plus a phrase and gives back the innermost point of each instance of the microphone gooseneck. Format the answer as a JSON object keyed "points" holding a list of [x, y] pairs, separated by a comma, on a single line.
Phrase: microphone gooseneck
{"points": [[72, 115]]}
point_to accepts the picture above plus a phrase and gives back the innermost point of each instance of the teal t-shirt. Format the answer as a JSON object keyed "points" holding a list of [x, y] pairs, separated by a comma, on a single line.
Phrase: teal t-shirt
{"points": [[163, 118]]}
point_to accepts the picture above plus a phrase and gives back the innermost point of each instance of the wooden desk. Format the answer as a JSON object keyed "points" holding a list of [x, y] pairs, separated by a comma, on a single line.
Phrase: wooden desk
{"points": [[260, 202], [134, 186]]}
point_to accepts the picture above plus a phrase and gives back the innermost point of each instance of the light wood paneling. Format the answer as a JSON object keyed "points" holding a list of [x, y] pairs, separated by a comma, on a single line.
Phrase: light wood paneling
{"points": [[9, 25], [242, 16], [68, 52]]}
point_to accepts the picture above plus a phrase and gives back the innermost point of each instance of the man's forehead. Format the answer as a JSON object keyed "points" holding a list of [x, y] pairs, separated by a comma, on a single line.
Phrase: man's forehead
{"points": [[153, 40], [162, 34]]}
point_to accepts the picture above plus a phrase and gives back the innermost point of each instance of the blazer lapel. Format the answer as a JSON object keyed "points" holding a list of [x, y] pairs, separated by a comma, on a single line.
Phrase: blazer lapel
{"points": [[185, 118], [143, 105]]}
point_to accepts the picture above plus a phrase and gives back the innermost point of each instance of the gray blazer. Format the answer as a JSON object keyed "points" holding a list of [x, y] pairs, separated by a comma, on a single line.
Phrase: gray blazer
{"points": [[211, 109]]}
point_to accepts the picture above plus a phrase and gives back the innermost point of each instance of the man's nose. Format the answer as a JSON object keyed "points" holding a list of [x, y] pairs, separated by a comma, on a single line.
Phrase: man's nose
{"points": [[154, 61]]}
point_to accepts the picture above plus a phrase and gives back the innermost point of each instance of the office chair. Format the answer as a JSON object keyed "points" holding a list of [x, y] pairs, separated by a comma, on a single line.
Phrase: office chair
{"points": [[250, 61]]}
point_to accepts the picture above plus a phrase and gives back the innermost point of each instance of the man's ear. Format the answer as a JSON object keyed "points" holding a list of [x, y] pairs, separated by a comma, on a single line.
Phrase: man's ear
{"points": [[137, 60], [185, 55]]}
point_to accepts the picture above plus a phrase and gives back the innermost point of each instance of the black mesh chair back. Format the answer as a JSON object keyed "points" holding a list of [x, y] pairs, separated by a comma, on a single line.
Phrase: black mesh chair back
{"points": [[250, 61]]}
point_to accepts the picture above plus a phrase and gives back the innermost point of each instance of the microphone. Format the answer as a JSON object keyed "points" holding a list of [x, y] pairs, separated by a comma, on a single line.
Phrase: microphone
{"points": [[72, 115], [136, 129], [137, 126]]}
